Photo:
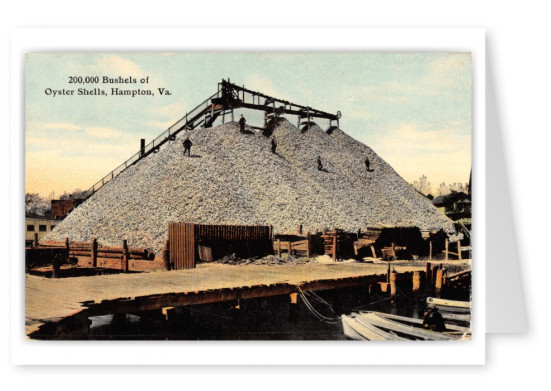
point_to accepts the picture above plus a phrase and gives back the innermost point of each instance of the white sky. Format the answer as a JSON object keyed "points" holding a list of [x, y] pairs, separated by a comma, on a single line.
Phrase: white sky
{"points": [[413, 109]]}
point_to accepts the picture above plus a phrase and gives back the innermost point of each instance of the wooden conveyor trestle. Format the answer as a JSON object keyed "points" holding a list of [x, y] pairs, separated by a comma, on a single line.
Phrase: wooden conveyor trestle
{"points": [[228, 98]]}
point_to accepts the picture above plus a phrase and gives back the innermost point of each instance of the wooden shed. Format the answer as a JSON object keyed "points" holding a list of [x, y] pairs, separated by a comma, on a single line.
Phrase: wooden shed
{"points": [[189, 242]]}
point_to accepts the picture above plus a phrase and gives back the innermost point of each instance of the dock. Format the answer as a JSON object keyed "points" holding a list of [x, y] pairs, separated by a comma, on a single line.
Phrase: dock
{"points": [[50, 300]]}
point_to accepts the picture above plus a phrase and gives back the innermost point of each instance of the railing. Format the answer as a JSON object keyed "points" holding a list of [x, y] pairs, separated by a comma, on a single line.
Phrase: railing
{"points": [[154, 145]]}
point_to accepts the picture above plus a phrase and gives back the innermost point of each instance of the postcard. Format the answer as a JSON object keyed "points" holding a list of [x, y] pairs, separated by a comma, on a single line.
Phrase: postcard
{"points": [[248, 196], [267, 202]]}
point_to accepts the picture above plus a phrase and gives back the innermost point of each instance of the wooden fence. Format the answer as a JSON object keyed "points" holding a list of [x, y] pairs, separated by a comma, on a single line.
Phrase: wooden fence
{"points": [[93, 254]]}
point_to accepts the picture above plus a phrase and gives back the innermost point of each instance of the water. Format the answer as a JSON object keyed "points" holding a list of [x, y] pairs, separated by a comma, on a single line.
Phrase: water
{"points": [[273, 318]]}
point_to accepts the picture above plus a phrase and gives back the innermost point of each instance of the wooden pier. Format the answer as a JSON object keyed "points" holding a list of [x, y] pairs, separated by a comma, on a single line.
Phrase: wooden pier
{"points": [[52, 300]]}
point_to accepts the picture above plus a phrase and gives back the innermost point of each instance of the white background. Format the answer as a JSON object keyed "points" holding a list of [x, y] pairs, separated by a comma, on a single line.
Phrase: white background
{"points": [[517, 47]]}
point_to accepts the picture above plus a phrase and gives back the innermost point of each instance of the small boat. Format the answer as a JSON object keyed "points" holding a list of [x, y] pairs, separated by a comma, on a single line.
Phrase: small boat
{"points": [[452, 310], [378, 326], [452, 305]]}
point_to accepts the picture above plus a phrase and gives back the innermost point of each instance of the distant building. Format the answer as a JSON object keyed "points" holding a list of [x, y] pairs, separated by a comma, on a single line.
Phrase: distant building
{"points": [[61, 208], [38, 225], [456, 205]]}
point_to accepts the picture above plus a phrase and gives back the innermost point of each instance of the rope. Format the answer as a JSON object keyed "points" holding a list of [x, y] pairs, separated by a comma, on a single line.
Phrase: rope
{"points": [[402, 294], [370, 304], [310, 293], [316, 313]]}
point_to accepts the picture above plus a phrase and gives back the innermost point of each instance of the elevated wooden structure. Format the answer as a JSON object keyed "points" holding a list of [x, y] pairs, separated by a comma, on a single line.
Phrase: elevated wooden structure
{"points": [[228, 98]]}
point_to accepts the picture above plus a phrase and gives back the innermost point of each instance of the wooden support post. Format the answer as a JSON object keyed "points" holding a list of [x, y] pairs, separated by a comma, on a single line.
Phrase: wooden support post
{"points": [[416, 283], [393, 279], [168, 313], [36, 239], [56, 266], [433, 272], [125, 256], [289, 248], [308, 245], [166, 254], [459, 249], [388, 273], [293, 307], [428, 277], [430, 250], [438, 282], [335, 248], [94, 252], [294, 297], [299, 229], [433, 276], [279, 248], [446, 250], [373, 251]]}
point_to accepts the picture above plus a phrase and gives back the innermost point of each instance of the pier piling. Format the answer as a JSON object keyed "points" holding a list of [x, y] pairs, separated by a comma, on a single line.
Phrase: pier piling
{"points": [[438, 282], [393, 280], [94, 252], [125, 256], [416, 283], [166, 254]]}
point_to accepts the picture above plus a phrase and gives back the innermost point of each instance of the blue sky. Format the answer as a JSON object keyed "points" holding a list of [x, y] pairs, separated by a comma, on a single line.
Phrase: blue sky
{"points": [[413, 109]]}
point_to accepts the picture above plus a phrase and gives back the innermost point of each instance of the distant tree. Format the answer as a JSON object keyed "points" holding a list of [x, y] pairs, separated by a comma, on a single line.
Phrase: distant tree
{"points": [[443, 189], [65, 196], [458, 187], [79, 194], [76, 194], [36, 205], [422, 185]]}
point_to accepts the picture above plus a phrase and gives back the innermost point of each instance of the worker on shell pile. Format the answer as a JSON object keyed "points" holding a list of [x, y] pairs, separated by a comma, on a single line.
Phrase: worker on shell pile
{"points": [[320, 166], [242, 121], [187, 146], [273, 144], [367, 163]]}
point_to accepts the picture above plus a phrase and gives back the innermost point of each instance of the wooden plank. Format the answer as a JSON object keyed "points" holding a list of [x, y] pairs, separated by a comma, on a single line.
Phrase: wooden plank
{"points": [[448, 303]]}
